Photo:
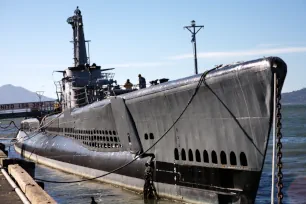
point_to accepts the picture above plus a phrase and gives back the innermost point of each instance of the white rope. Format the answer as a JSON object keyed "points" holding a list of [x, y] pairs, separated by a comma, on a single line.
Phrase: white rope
{"points": [[20, 194]]}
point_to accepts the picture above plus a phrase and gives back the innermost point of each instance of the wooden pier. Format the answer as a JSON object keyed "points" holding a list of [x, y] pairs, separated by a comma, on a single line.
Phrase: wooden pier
{"points": [[17, 184]]}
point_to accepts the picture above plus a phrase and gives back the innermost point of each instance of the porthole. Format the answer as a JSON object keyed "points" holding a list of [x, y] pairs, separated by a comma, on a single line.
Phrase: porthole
{"points": [[176, 154], [111, 139], [114, 132], [103, 132], [198, 156], [146, 136], [223, 157], [190, 155], [107, 139], [183, 154], [106, 133], [243, 159], [110, 132], [206, 157], [214, 157], [151, 136], [115, 139], [103, 138], [233, 158]]}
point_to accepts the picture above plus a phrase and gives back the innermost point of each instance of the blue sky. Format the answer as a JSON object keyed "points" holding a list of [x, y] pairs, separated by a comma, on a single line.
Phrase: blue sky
{"points": [[147, 37]]}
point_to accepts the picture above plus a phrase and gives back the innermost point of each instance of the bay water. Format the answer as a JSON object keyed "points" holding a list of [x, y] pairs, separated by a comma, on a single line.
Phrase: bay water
{"points": [[294, 170]]}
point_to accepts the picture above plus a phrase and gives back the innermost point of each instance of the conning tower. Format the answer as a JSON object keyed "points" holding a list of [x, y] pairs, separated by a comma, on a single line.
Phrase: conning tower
{"points": [[82, 83]]}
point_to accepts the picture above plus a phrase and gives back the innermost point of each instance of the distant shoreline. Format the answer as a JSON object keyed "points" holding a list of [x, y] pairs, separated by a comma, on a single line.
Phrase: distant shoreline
{"points": [[294, 104]]}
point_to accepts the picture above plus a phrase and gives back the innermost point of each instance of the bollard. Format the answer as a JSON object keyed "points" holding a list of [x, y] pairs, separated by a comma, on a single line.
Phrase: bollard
{"points": [[2, 149], [28, 166], [41, 184]]}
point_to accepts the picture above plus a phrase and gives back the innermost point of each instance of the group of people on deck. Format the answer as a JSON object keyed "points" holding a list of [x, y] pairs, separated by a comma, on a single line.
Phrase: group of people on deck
{"points": [[142, 83]]}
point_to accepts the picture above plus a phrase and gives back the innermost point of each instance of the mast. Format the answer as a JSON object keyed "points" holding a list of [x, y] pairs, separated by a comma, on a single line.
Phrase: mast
{"points": [[80, 55]]}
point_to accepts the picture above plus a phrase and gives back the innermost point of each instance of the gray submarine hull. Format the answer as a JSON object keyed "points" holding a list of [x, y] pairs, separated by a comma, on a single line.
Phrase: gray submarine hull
{"points": [[214, 154]]}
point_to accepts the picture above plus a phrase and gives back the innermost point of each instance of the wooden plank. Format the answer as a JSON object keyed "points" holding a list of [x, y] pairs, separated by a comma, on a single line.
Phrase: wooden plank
{"points": [[31, 189]]}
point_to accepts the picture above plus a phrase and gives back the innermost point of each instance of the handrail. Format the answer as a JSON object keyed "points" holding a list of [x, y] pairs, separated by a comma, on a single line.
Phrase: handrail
{"points": [[15, 187]]}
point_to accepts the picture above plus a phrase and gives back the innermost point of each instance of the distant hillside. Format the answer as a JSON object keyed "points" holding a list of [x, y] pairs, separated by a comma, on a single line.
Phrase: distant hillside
{"points": [[16, 94], [295, 97]]}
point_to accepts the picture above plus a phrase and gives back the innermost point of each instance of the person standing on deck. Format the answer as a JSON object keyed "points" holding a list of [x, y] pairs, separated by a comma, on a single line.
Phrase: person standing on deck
{"points": [[142, 82], [128, 85]]}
